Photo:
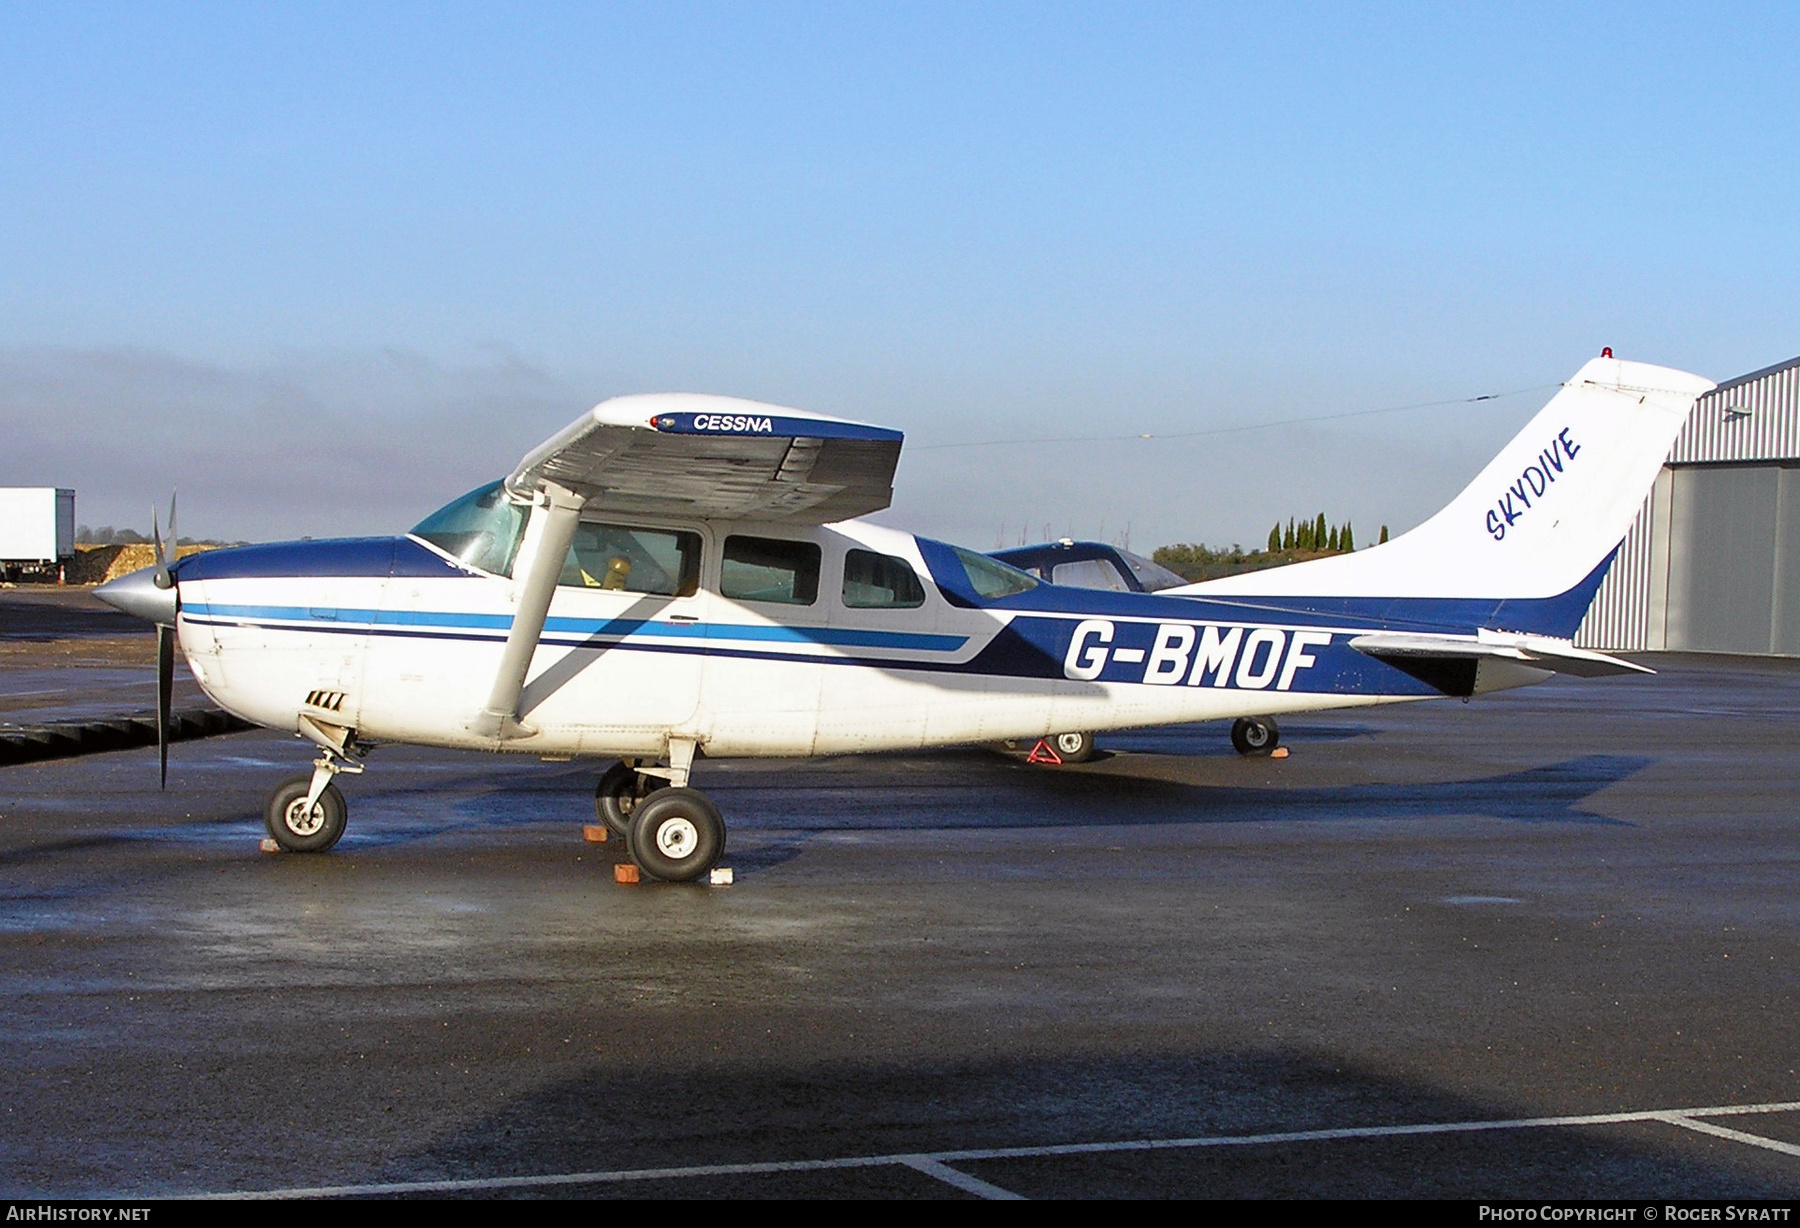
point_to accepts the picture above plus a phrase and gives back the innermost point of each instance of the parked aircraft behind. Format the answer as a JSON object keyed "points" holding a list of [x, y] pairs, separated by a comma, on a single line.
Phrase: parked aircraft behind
{"points": [[680, 575], [1090, 565]]}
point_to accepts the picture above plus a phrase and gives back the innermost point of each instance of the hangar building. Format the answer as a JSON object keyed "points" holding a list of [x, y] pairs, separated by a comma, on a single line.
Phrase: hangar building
{"points": [[1712, 563]]}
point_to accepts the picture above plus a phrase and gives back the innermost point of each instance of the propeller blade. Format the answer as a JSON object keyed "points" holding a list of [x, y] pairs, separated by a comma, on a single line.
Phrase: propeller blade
{"points": [[162, 577], [165, 694], [166, 553], [174, 553]]}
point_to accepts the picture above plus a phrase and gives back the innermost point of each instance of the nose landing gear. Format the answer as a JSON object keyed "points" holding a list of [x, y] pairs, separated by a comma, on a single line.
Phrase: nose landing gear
{"points": [[302, 828], [307, 814]]}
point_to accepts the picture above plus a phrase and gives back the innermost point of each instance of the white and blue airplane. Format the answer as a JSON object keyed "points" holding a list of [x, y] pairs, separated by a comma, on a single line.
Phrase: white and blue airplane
{"points": [[679, 576]]}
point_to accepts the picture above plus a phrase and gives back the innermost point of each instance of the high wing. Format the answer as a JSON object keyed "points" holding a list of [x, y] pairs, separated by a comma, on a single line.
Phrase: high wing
{"points": [[686, 454]]}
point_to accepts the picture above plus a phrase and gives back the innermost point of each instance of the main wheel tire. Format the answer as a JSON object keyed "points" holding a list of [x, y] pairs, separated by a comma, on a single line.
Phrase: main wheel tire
{"points": [[1073, 747], [622, 789], [677, 835], [1255, 735], [293, 828]]}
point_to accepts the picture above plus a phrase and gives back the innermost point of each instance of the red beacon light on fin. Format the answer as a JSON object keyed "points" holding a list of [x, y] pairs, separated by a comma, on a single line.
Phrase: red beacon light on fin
{"points": [[1606, 351]]}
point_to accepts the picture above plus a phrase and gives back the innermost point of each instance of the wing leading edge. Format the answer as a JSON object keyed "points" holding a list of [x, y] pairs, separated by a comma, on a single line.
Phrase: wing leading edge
{"points": [[693, 455]]}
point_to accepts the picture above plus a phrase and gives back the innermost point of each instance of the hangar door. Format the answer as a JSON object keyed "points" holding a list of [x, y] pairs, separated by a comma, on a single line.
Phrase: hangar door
{"points": [[1734, 559]]}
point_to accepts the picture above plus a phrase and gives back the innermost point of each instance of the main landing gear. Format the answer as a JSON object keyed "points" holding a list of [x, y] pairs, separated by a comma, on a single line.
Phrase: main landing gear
{"points": [[1072, 747], [1056, 748], [671, 831], [677, 835], [621, 790], [1255, 735]]}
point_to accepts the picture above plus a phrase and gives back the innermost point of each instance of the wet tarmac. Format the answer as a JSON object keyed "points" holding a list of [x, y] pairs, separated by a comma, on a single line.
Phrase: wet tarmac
{"points": [[1543, 945]]}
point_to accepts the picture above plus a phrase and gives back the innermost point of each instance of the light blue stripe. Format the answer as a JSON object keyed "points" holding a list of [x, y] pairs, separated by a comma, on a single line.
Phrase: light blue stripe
{"points": [[847, 637]]}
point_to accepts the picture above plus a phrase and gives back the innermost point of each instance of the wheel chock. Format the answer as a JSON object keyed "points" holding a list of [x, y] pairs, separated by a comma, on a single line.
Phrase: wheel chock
{"points": [[720, 876], [625, 872], [1043, 752], [269, 846], [1280, 752], [594, 833]]}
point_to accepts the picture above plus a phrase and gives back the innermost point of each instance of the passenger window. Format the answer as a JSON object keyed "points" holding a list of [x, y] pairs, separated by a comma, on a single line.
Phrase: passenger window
{"points": [[770, 569], [880, 582], [658, 562]]}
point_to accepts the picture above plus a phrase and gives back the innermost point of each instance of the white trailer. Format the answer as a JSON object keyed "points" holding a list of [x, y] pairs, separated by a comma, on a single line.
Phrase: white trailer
{"points": [[37, 529]]}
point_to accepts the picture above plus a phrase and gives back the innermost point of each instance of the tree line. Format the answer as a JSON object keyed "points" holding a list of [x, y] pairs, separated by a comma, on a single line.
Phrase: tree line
{"points": [[1295, 542], [1315, 536]]}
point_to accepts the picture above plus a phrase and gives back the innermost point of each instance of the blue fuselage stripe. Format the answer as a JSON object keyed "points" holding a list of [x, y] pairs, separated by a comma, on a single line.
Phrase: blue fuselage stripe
{"points": [[353, 621]]}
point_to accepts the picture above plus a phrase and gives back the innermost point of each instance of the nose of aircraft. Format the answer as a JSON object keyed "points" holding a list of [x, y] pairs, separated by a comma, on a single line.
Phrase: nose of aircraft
{"points": [[138, 595]]}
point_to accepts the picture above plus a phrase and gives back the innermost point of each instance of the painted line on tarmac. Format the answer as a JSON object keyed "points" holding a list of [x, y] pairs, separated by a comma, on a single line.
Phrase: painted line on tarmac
{"points": [[1736, 1136], [961, 1180], [937, 1164]]}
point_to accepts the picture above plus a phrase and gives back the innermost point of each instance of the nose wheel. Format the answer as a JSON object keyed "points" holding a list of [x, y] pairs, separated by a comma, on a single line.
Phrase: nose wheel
{"points": [[299, 828]]}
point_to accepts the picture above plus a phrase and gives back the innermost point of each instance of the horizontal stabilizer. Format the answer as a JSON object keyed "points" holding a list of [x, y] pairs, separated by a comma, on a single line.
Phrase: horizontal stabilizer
{"points": [[1460, 664]]}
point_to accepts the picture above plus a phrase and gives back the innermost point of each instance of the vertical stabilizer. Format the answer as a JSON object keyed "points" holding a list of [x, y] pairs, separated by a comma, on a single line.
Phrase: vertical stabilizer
{"points": [[1538, 520]]}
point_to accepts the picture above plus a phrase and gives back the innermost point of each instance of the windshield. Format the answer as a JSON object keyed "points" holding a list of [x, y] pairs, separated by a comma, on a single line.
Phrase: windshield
{"points": [[481, 530]]}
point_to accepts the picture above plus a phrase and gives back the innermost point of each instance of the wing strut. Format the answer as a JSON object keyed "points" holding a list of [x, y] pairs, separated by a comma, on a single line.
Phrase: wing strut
{"points": [[500, 719]]}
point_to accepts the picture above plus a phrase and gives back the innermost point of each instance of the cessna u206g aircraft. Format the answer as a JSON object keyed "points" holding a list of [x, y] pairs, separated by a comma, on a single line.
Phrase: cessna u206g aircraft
{"points": [[675, 576]]}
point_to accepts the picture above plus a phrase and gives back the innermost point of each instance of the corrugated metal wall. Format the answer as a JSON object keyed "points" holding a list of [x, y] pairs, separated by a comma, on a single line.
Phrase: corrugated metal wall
{"points": [[1619, 619], [1754, 418]]}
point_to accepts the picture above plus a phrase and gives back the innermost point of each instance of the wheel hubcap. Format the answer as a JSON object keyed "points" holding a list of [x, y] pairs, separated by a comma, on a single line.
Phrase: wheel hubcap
{"points": [[677, 838], [302, 822]]}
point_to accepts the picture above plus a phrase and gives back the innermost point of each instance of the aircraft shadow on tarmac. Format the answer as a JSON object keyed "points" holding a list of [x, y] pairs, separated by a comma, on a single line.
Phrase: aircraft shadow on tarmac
{"points": [[963, 795], [773, 812], [774, 808], [1207, 740], [838, 1107], [966, 797]]}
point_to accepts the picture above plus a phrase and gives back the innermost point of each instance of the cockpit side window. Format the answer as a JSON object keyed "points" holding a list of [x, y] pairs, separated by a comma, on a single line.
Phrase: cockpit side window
{"points": [[880, 582], [1153, 576], [990, 578], [770, 569], [481, 530], [660, 562], [1089, 573]]}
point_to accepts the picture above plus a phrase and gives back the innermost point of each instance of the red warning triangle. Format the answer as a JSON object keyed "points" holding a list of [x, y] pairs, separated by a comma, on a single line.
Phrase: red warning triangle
{"points": [[1043, 752]]}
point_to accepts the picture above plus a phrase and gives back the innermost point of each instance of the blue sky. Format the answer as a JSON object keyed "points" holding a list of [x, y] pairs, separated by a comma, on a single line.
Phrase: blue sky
{"points": [[323, 267]]}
